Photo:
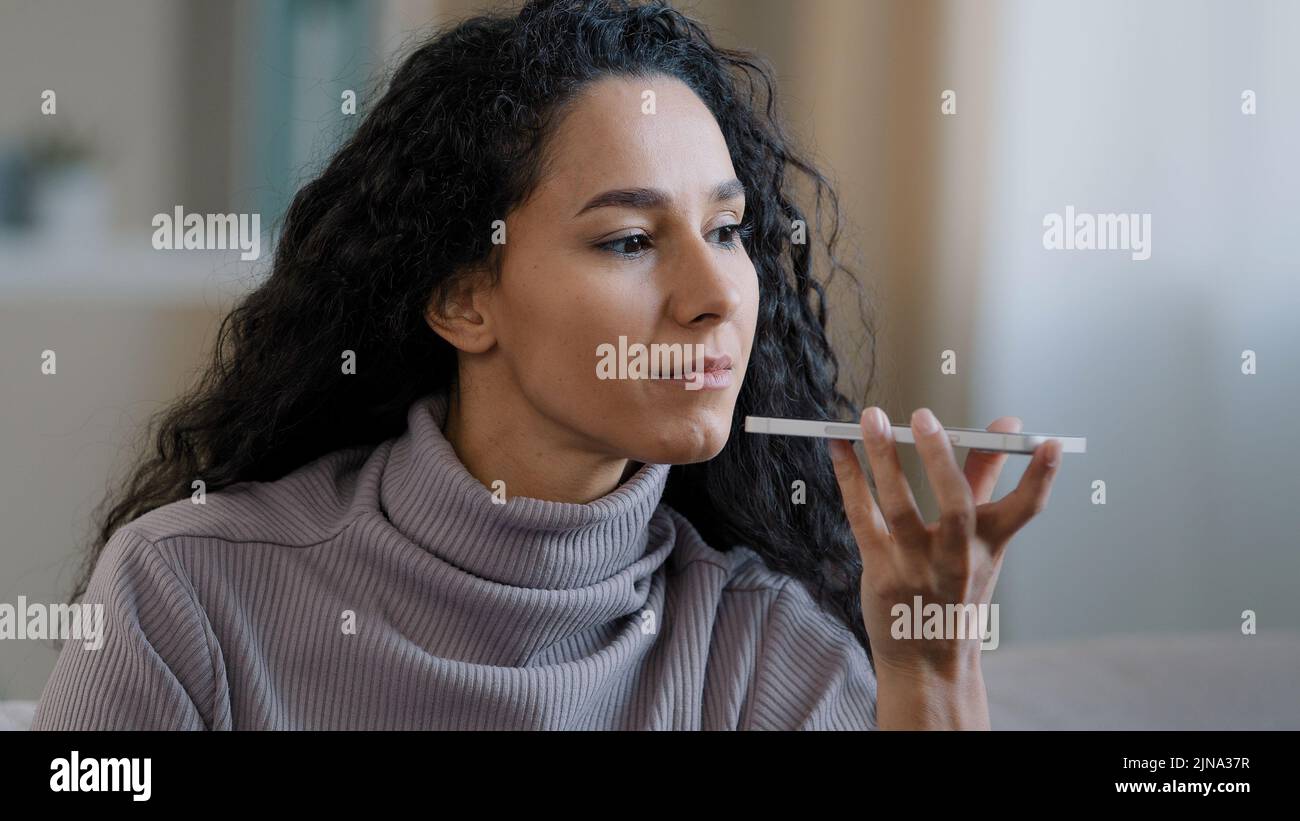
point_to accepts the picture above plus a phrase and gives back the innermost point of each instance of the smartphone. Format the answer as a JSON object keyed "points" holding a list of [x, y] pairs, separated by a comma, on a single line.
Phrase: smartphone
{"points": [[972, 438]]}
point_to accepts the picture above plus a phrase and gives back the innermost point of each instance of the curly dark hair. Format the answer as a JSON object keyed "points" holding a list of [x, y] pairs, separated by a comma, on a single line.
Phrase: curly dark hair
{"points": [[396, 216]]}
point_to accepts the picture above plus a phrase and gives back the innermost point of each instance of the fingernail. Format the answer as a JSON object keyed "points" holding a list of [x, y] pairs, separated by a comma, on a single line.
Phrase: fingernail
{"points": [[878, 421], [925, 421], [1053, 453]]}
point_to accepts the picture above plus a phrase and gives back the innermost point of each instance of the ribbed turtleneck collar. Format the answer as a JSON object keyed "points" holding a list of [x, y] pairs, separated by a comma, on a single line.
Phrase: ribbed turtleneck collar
{"points": [[429, 495]]}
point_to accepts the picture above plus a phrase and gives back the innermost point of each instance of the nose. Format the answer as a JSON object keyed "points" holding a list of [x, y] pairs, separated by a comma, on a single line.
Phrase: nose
{"points": [[704, 284]]}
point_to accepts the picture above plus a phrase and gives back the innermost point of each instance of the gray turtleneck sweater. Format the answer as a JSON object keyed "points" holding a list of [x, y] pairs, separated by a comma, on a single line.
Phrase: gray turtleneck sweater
{"points": [[383, 588]]}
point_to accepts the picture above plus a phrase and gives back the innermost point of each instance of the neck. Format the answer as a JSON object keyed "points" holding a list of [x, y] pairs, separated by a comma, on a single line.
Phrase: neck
{"points": [[513, 443], [605, 547]]}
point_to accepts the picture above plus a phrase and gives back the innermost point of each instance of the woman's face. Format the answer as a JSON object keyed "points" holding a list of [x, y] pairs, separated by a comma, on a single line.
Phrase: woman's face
{"points": [[628, 235]]}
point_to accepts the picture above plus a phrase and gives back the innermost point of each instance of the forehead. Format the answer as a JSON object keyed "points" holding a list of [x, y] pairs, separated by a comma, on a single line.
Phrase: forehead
{"points": [[651, 132]]}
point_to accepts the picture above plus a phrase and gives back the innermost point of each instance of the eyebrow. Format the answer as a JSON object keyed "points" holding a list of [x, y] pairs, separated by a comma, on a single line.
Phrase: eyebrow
{"points": [[656, 197]]}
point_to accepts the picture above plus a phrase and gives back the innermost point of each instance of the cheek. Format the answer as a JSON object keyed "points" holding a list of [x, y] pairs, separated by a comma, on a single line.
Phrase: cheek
{"points": [[554, 326], [751, 294]]}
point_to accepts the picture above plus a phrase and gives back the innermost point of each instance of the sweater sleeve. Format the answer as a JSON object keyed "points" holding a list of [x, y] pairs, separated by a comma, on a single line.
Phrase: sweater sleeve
{"points": [[812, 674], [154, 669]]}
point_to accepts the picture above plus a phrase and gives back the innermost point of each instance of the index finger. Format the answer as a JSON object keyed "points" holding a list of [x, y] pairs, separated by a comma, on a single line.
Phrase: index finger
{"points": [[983, 467]]}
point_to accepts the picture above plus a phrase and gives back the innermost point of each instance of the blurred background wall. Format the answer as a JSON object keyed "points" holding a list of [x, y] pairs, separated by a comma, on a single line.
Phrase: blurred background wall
{"points": [[1106, 106]]}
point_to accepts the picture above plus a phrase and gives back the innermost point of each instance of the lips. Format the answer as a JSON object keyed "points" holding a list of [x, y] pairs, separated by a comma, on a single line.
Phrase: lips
{"points": [[721, 362], [713, 363]]}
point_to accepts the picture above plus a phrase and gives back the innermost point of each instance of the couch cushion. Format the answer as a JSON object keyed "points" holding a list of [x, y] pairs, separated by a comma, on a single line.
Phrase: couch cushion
{"points": [[1215, 681]]}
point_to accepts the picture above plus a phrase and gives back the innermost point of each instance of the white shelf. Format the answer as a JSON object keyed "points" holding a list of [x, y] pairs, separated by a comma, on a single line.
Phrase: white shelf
{"points": [[121, 267]]}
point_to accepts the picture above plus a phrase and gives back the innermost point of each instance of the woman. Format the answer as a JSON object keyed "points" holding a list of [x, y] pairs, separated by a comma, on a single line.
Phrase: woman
{"points": [[422, 505]]}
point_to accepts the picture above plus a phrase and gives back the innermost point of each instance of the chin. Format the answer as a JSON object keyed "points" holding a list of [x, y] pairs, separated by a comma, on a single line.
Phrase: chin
{"points": [[685, 442]]}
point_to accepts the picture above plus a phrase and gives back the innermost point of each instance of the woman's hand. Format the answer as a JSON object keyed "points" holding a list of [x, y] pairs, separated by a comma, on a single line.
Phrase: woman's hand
{"points": [[933, 682]]}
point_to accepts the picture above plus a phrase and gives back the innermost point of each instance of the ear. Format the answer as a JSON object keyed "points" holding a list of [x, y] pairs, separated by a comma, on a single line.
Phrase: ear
{"points": [[463, 316]]}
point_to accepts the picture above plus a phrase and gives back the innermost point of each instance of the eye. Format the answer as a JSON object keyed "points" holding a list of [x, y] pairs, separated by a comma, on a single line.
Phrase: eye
{"points": [[630, 246], [734, 235]]}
